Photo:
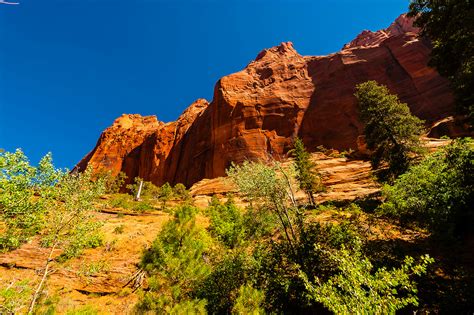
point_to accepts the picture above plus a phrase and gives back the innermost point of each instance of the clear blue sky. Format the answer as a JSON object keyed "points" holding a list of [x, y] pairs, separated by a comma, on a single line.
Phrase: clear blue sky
{"points": [[68, 68]]}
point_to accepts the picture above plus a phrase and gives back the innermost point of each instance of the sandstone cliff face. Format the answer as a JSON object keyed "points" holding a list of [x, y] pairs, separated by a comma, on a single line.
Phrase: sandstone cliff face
{"points": [[257, 112]]}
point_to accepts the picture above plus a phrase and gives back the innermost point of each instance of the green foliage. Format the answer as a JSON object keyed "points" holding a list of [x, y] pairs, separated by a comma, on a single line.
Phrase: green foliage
{"points": [[175, 263], [308, 178], [25, 194], [391, 131], [227, 223], [357, 289], [93, 267], [221, 287], [112, 183], [281, 265], [83, 310], [149, 190], [165, 194], [127, 202], [438, 193], [249, 301], [269, 188], [449, 25], [119, 229], [197, 307], [180, 191], [69, 222], [14, 298]]}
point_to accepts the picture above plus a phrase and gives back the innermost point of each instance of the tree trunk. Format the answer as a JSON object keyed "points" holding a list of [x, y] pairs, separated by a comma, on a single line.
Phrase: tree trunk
{"points": [[137, 197], [43, 279]]}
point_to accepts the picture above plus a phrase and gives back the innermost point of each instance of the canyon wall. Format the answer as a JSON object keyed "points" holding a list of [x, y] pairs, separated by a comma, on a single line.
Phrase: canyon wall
{"points": [[257, 112]]}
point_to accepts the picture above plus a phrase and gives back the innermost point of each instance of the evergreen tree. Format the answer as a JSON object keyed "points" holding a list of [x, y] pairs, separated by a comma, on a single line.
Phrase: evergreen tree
{"points": [[450, 26], [308, 178], [391, 131]]}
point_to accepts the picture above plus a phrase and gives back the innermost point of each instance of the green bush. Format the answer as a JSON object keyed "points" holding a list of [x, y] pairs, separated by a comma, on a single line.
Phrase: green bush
{"points": [[279, 274], [26, 192], [356, 288], [226, 223], [249, 301], [221, 287], [438, 193], [175, 263]]}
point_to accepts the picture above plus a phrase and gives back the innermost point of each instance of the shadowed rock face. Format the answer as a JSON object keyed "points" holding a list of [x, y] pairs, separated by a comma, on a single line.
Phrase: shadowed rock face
{"points": [[257, 112]]}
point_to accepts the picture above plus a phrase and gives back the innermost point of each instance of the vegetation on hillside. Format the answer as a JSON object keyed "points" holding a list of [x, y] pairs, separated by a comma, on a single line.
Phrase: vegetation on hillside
{"points": [[392, 133]]}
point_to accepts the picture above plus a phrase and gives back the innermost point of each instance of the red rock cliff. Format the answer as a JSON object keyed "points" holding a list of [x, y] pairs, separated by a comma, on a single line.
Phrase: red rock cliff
{"points": [[281, 94]]}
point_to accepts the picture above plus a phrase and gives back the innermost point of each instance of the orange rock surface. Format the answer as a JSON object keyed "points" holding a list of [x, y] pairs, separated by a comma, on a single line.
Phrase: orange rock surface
{"points": [[258, 111]]}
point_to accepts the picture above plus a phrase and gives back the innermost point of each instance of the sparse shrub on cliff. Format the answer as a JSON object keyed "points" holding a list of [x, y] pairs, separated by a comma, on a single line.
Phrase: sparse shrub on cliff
{"points": [[392, 133], [438, 193], [180, 192], [112, 183], [306, 173]]}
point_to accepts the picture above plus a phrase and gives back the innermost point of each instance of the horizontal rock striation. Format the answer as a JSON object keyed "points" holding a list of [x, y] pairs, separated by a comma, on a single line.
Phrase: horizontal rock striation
{"points": [[256, 113]]}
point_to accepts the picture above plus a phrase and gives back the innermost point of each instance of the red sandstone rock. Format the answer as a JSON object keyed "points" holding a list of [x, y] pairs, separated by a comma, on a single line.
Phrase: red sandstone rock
{"points": [[258, 111]]}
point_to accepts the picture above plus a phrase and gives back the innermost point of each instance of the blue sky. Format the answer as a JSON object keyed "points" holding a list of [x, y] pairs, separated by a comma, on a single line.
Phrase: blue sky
{"points": [[68, 68]]}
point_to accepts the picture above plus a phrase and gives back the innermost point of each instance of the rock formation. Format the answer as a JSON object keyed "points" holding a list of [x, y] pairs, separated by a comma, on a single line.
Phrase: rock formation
{"points": [[257, 112]]}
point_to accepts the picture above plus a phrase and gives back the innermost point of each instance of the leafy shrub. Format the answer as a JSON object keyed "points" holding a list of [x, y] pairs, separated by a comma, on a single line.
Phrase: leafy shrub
{"points": [[180, 191], [119, 229], [269, 188], [357, 289], [438, 193], [113, 184], [226, 223], [221, 287], [249, 301], [25, 195], [175, 263], [149, 190], [15, 297], [281, 265]]}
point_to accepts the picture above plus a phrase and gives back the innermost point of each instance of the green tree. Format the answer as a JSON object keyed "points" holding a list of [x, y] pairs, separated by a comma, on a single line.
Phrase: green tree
{"points": [[356, 289], [227, 223], [112, 183], [25, 195], [249, 301], [175, 263], [438, 193], [69, 223], [391, 131], [450, 24], [180, 191], [269, 188], [165, 193], [308, 178]]}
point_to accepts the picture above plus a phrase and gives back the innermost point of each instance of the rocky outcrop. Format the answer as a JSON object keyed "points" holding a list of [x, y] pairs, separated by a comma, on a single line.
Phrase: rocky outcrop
{"points": [[257, 112]]}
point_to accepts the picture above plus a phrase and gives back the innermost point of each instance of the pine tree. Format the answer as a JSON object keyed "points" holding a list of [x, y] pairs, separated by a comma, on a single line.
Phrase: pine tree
{"points": [[391, 131], [308, 178]]}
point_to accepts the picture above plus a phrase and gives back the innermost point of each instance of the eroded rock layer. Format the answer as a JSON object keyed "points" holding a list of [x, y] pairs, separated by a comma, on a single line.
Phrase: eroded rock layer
{"points": [[257, 112]]}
